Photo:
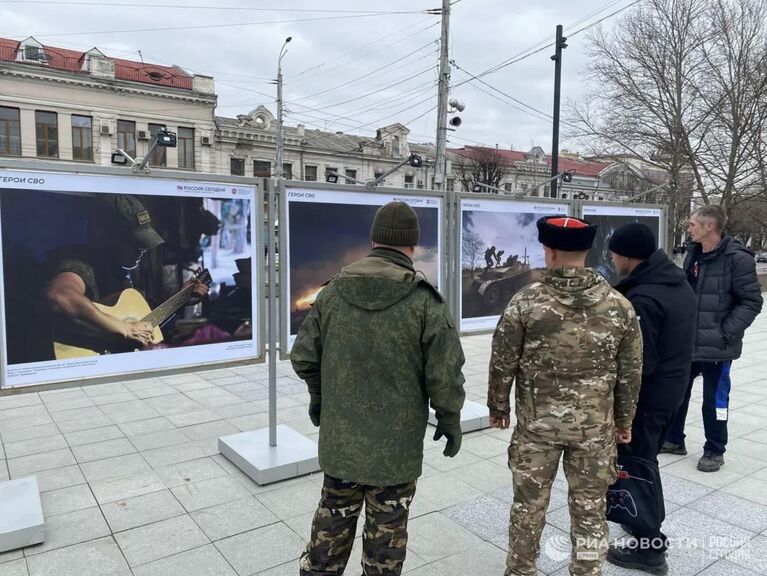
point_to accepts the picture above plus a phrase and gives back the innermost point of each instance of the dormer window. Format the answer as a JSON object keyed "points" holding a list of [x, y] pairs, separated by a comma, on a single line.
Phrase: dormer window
{"points": [[97, 64], [30, 50]]}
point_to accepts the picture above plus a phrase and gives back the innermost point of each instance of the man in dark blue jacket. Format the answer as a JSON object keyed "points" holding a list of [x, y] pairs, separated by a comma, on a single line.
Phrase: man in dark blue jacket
{"points": [[722, 272], [665, 306]]}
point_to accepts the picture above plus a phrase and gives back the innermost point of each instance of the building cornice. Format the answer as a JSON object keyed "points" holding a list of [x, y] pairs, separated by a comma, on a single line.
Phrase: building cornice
{"points": [[23, 72]]}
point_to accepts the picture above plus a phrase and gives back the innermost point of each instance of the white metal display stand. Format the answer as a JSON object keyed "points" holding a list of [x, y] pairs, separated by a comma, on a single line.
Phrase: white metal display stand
{"points": [[257, 452], [21, 514]]}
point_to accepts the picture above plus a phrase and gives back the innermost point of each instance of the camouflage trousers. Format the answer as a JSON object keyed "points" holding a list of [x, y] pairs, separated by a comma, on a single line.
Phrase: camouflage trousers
{"points": [[590, 467], [384, 538]]}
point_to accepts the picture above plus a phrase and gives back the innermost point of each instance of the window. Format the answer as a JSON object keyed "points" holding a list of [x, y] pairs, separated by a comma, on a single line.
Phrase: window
{"points": [[450, 185], [351, 174], [126, 137], [47, 130], [310, 173], [186, 148], [10, 131], [334, 171], [419, 184], [395, 149], [160, 154], [408, 181], [262, 169], [287, 171], [507, 186], [378, 174], [237, 167], [82, 138]]}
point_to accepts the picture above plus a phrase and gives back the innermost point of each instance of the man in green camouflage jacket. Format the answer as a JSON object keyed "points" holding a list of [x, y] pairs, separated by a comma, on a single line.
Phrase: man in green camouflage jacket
{"points": [[378, 346], [573, 346]]}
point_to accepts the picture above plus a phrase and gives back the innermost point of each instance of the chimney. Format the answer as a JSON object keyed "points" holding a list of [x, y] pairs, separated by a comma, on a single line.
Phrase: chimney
{"points": [[300, 130], [203, 84]]}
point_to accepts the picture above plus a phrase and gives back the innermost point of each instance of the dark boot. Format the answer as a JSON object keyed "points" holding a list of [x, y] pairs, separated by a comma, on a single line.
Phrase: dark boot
{"points": [[648, 561], [710, 461], [671, 448]]}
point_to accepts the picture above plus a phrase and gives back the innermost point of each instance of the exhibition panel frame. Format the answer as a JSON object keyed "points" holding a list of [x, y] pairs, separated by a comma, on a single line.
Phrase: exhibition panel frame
{"points": [[486, 228], [56, 218], [608, 216], [309, 256]]}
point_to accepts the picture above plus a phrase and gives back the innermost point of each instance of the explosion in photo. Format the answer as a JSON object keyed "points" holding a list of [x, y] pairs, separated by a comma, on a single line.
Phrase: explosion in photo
{"points": [[328, 230]]}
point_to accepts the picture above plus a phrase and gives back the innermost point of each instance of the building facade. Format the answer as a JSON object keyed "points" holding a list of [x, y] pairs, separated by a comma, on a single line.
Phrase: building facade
{"points": [[79, 107], [65, 106]]}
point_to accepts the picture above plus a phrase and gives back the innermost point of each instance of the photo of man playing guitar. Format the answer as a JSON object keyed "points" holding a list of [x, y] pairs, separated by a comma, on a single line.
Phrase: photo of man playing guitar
{"points": [[81, 275]]}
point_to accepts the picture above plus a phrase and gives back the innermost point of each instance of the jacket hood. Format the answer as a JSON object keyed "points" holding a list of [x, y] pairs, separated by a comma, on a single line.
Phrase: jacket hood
{"points": [[657, 269], [575, 287], [378, 281]]}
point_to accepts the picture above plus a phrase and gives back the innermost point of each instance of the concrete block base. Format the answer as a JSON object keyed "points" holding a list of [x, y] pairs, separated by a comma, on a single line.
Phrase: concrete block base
{"points": [[474, 416], [21, 514], [295, 455]]}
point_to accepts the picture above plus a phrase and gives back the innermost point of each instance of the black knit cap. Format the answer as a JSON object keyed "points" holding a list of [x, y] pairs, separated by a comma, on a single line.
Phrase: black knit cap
{"points": [[565, 233], [633, 240], [395, 224]]}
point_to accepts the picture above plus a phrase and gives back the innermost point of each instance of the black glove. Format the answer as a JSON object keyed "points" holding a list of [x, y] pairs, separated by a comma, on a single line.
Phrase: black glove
{"points": [[314, 410], [453, 434]]}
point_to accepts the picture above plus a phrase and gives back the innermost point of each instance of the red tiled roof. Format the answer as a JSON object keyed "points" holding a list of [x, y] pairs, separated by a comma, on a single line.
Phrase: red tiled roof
{"points": [[582, 167], [72, 61]]}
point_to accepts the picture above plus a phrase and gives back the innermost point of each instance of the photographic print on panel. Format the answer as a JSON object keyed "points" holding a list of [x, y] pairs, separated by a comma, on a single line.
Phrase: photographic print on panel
{"points": [[87, 260], [329, 229], [608, 219], [500, 254]]}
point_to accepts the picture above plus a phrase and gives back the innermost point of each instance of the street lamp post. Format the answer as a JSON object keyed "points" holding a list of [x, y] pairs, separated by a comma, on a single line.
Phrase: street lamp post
{"points": [[280, 144]]}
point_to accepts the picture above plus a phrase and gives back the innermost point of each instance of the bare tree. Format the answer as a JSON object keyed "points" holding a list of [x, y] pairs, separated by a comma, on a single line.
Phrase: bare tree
{"points": [[734, 94], [472, 247], [485, 165], [682, 85]]}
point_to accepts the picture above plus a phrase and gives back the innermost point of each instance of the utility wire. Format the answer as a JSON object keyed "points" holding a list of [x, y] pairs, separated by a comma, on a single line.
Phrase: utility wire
{"points": [[377, 90], [210, 7], [354, 80], [211, 26], [360, 51], [530, 109], [536, 49]]}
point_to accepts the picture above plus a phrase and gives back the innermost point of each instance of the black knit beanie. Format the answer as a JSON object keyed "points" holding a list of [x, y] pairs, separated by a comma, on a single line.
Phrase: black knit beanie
{"points": [[395, 224], [634, 240]]}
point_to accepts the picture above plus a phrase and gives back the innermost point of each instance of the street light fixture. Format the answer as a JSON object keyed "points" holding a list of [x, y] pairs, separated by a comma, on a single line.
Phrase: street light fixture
{"points": [[280, 132], [164, 138]]}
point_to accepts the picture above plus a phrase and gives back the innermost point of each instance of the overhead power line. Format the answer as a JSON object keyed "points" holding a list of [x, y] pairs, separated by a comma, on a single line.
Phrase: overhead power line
{"points": [[210, 26], [360, 51], [209, 7], [537, 48], [377, 90], [354, 80]]}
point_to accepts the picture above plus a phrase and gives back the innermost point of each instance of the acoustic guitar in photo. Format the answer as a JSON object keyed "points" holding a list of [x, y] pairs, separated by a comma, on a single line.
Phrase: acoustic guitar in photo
{"points": [[130, 306]]}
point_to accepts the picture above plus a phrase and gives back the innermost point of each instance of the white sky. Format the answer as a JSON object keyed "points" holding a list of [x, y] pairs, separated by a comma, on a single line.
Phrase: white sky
{"points": [[240, 47]]}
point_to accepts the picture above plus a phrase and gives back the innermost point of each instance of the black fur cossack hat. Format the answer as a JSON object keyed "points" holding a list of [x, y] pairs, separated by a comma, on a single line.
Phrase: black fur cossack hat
{"points": [[567, 234]]}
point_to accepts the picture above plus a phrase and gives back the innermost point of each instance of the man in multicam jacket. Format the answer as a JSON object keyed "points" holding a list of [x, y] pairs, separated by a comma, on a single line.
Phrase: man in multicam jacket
{"points": [[378, 347], [573, 346]]}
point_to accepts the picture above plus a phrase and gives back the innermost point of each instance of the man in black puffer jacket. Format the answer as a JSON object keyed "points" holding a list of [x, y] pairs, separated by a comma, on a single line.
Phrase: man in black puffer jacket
{"points": [[666, 308], [722, 272]]}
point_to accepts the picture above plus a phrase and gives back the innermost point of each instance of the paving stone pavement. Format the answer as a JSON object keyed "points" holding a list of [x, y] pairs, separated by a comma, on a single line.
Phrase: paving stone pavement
{"points": [[132, 483]]}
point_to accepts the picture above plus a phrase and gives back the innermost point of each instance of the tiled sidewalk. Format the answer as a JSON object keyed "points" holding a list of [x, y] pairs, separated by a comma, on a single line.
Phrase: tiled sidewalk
{"points": [[133, 483]]}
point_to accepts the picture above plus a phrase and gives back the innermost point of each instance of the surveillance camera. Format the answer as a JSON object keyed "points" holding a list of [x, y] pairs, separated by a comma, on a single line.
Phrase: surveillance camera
{"points": [[460, 106]]}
